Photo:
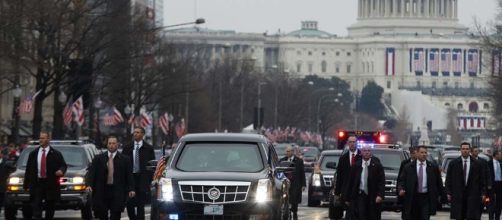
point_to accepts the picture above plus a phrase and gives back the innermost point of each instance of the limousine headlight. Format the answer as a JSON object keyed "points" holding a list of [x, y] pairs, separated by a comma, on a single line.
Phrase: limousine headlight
{"points": [[166, 189], [15, 180], [316, 179], [263, 191]]}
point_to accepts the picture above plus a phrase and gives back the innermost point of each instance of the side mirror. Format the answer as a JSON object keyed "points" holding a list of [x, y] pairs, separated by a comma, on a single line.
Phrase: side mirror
{"points": [[151, 165], [10, 165], [331, 165]]}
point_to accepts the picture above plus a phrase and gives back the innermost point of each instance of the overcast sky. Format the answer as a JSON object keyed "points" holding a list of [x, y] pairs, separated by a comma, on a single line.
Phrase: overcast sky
{"points": [[271, 15]]}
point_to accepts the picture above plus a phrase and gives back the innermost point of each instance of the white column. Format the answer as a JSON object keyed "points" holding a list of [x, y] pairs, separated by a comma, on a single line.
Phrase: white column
{"points": [[371, 8], [394, 8], [426, 8], [378, 4], [456, 9], [359, 9], [419, 8]]}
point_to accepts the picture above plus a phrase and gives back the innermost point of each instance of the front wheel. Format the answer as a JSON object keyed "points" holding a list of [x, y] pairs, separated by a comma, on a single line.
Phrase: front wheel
{"points": [[10, 212], [311, 202]]}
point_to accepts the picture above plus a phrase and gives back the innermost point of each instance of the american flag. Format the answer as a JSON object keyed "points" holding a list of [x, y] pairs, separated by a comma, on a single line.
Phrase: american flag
{"points": [[114, 117], [145, 120], [78, 109], [473, 61], [67, 115], [496, 62], [181, 128], [445, 61], [457, 60], [164, 123], [418, 60], [26, 105], [434, 61]]}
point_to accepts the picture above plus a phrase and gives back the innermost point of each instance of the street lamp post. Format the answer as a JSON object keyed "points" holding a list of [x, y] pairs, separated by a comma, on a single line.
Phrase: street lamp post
{"points": [[98, 104], [331, 89], [197, 21], [258, 111], [15, 111]]}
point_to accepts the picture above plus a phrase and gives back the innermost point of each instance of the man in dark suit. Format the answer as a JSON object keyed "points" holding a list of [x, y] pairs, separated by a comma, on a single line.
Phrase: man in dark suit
{"points": [[345, 163], [465, 185], [5, 170], [367, 187], [139, 152], [420, 183], [495, 194], [297, 181], [111, 182], [44, 168], [475, 154]]}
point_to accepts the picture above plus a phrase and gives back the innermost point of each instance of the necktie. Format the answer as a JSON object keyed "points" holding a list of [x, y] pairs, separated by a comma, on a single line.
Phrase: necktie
{"points": [[109, 179], [420, 177], [465, 172], [42, 165], [136, 159], [365, 182], [353, 159], [497, 172]]}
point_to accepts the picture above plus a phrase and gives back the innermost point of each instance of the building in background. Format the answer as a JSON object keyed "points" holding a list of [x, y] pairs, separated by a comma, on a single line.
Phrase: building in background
{"points": [[416, 50]]}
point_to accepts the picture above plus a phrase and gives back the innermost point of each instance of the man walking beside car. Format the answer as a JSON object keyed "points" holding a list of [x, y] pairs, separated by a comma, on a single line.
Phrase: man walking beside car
{"points": [[110, 180], [345, 163], [367, 187], [298, 181], [495, 207], [465, 185], [420, 183], [44, 168], [139, 153]]}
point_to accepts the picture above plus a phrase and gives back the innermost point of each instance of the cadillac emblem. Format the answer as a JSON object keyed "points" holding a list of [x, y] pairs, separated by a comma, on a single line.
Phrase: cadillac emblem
{"points": [[213, 193]]}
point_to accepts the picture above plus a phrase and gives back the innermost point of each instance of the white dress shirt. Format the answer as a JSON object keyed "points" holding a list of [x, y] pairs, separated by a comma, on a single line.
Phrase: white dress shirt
{"points": [[140, 143], [496, 168], [39, 160], [424, 176], [110, 154], [291, 158], [364, 175]]}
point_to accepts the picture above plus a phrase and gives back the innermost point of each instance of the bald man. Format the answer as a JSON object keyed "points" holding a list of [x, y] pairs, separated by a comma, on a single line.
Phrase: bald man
{"points": [[297, 182]]}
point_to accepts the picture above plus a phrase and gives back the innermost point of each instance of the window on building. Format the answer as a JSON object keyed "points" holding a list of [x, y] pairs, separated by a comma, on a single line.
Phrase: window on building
{"points": [[349, 68], [389, 84], [310, 68], [324, 66], [337, 68], [433, 85], [447, 104], [299, 67], [460, 106], [337, 53], [348, 54], [445, 84], [372, 67], [473, 107], [310, 53], [486, 106], [364, 67]]}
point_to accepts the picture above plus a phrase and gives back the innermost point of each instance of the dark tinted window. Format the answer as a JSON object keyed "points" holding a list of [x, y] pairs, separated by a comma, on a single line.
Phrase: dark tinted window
{"points": [[310, 152], [75, 157], [329, 158], [389, 159], [220, 157]]}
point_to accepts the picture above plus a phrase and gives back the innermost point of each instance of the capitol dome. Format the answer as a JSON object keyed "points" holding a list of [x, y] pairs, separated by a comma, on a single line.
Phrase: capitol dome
{"points": [[407, 17], [309, 29]]}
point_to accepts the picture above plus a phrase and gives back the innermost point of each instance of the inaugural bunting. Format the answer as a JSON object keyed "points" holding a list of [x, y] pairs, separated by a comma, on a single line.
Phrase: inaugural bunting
{"points": [[445, 62], [457, 62], [434, 61], [473, 62], [496, 61], [419, 61], [390, 62]]}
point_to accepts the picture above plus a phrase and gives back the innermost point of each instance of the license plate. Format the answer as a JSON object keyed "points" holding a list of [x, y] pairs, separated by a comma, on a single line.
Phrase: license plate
{"points": [[213, 210]]}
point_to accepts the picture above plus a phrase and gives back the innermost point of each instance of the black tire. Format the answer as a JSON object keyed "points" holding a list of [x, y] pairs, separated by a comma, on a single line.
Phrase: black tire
{"points": [[27, 212], [10, 212], [154, 211], [311, 202]]}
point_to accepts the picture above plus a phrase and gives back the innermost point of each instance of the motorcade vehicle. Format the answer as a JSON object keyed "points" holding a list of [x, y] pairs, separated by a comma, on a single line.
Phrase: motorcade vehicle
{"points": [[223, 176], [280, 149], [78, 156], [374, 137], [322, 179], [310, 157]]}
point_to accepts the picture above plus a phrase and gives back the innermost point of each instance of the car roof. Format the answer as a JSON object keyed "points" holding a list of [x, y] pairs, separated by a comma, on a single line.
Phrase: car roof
{"points": [[332, 152], [224, 137], [457, 154]]}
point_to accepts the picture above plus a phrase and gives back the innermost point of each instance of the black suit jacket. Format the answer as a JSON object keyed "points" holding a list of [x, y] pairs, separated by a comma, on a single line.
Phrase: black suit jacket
{"points": [[491, 173], [146, 153], [123, 181], [54, 162], [486, 171], [5, 170], [455, 186], [376, 185], [298, 180], [343, 173], [408, 181]]}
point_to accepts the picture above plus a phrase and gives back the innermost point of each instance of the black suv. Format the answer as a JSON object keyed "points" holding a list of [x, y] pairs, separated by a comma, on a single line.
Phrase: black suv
{"points": [[322, 179], [222, 176], [391, 161], [78, 156]]}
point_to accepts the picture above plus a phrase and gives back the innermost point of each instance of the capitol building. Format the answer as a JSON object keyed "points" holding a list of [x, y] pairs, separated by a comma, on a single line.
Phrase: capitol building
{"points": [[426, 61]]}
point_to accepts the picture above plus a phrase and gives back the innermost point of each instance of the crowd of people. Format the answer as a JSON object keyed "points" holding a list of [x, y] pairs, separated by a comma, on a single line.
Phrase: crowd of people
{"points": [[471, 184]]}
